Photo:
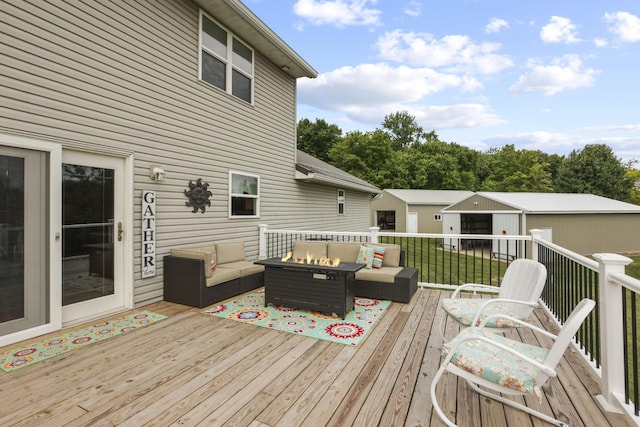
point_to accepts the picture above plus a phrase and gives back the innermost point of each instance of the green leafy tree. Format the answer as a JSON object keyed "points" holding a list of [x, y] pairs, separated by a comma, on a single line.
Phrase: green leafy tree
{"points": [[403, 130], [594, 170], [317, 138], [369, 156], [451, 166], [633, 175], [510, 170]]}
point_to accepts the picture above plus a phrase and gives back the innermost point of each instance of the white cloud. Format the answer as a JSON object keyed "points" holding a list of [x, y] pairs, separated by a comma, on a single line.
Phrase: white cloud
{"points": [[600, 42], [456, 53], [613, 128], [547, 142], [414, 8], [624, 25], [496, 25], [368, 92], [456, 116], [565, 73], [337, 12], [372, 84], [627, 147], [559, 30]]}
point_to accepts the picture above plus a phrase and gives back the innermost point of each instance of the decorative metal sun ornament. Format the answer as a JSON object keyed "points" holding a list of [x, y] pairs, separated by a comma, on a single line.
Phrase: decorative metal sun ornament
{"points": [[198, 195]]}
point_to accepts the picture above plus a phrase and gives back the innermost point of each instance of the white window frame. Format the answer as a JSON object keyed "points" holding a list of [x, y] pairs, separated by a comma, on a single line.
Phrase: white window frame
{"points": [[437, 217], [228, 60], [341, 201], [233, 173]]}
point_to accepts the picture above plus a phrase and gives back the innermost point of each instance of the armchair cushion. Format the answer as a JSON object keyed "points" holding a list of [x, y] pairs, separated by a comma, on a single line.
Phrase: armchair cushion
{"points": [[495, 364], [465, 309], [205, 253], [315, 249], [391, 254], [230, 252], [346, 251]]}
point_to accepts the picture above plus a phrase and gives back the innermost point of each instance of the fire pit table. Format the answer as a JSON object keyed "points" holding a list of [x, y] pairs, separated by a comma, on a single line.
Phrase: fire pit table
{"points": [[309, 286]]}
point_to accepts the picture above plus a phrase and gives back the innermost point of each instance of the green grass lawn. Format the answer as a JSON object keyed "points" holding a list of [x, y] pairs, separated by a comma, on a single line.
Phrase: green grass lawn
{"points": [[633, 269]]}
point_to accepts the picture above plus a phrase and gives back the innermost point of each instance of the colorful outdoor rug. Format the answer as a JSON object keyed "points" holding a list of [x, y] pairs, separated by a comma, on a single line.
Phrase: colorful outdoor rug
{"points": [[19, 357], [249, 308]]}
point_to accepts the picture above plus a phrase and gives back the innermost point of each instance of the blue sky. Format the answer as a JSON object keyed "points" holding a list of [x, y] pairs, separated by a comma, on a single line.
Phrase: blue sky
{"points": [[547, 75]]}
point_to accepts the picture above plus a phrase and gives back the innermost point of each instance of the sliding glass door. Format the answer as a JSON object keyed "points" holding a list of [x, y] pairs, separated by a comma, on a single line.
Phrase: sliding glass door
{"points": [[24, 282]]}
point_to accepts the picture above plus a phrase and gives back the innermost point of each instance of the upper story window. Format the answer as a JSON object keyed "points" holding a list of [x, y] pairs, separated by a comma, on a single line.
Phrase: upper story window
{"points": [[437, 217], [340, 202], [244, 195], [225, 61]]}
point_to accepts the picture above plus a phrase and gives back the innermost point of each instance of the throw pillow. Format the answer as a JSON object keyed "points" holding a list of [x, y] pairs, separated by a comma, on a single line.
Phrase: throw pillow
{"points": [[213, 265], [365, 256], [378, 254]]}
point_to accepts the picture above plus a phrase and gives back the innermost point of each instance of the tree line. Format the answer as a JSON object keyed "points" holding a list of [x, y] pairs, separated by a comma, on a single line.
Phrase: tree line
{"points": [[401, 154]]}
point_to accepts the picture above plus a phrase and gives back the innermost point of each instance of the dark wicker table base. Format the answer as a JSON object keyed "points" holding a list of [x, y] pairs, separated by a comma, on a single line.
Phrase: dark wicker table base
{"points": [[310, 287]]}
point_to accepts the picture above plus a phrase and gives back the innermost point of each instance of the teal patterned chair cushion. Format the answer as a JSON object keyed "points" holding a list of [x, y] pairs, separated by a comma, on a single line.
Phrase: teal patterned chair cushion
{"points": [[465, 309], [495, 364]]}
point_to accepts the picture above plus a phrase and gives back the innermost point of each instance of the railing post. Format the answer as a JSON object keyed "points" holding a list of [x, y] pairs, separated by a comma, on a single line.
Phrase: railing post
{"points": [[536, 235], [611, 332], [374, 234], [262, 241]]}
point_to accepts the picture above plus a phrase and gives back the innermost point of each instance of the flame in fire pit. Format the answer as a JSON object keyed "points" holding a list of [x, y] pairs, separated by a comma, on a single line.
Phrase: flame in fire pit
{"points": [[309, 259]]}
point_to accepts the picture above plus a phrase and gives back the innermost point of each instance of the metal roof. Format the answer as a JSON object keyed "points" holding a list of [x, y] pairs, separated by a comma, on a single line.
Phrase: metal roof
{"points": [[430, 197], [561, 203], [310, 169]]}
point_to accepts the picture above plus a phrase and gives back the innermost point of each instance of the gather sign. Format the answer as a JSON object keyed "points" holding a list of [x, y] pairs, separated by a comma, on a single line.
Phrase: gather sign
{"points": [[148, 233]]}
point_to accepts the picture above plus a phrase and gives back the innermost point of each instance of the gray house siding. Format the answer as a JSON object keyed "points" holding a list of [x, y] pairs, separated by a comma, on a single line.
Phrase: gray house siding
{"points": [[122, 78]]}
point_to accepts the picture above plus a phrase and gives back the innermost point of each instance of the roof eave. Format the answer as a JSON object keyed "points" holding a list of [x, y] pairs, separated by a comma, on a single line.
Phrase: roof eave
{"points": [[323, 179]]}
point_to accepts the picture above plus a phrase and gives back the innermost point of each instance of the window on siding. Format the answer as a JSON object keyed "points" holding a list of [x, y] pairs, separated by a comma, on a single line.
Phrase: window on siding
{"points": [[226, 62], [340, 202], [437, 217], [244, 195]]}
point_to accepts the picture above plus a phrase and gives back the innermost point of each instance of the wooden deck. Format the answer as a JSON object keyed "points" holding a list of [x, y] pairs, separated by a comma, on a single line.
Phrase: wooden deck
{"points": [[192, 369]]}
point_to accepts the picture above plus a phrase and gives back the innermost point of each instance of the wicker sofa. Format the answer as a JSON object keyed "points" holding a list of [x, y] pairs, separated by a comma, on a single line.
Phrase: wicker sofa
{"points": [[190, 279], [392, 281]]}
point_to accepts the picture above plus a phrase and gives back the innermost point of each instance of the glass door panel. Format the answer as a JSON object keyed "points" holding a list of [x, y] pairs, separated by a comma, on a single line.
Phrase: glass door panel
{"points": [[12, 292], [92, 240], [23, 281], [87, 233]]}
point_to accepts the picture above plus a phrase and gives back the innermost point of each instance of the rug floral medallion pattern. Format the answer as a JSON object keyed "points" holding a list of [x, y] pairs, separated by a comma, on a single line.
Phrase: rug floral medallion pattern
{"points": [[26, 355], [250, 308]]}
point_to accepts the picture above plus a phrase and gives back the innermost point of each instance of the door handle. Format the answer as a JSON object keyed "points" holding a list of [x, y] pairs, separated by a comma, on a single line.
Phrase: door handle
{"points": [[120, 232]]}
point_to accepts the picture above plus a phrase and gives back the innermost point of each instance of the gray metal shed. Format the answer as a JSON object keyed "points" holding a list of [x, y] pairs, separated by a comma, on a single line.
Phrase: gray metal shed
{"points": [[584, 223]]}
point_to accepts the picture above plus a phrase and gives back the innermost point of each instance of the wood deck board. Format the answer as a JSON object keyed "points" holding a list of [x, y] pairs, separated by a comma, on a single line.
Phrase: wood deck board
{"points": [[192, 369]]}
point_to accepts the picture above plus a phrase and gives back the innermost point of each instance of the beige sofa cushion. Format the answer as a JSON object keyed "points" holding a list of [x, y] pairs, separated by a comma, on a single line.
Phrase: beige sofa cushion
{"points": [[315, 249], [346, 251], [206, 253], [391, 256], [229, 252], [384, 274], [221, 275], [246, 268]]}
